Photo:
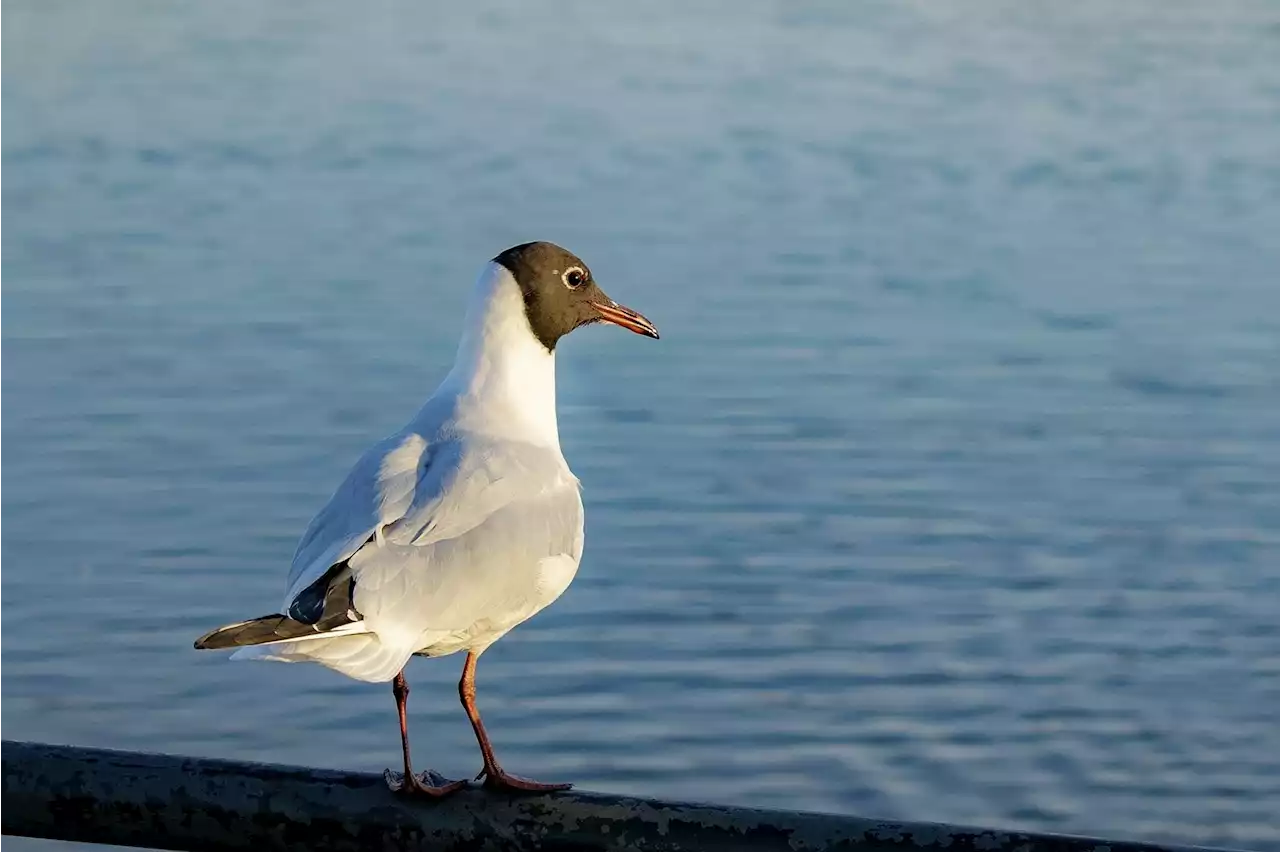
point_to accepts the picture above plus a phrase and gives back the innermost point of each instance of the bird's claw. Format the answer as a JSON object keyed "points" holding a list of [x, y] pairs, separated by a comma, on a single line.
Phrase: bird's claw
{"points": [[499, 780], [430, 784]]}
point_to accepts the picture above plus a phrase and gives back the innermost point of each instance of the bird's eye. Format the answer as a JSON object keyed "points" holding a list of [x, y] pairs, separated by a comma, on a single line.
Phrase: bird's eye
{"points": [[574, 277]]}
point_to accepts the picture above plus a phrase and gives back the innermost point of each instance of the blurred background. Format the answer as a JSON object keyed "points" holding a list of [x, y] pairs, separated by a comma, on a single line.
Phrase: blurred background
{"points": [[952, 491]]}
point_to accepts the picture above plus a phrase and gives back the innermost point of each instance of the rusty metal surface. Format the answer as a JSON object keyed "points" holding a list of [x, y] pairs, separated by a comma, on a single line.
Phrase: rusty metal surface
{"points": [[170, 802]]}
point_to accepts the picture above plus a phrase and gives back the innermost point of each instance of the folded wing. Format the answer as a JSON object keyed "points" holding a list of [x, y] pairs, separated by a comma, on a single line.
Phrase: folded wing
{"points": [[427, 546]]}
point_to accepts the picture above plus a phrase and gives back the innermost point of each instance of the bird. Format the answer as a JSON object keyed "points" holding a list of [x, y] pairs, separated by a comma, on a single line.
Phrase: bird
{"points": [[459, 526]]}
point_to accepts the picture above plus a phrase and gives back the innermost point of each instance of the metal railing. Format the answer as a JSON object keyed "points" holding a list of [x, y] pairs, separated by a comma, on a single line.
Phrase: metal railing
{"points": [[205, 805]]}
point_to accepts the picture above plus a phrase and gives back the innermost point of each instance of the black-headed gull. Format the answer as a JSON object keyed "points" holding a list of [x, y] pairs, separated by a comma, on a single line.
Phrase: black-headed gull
{"points": [[461, 525]]}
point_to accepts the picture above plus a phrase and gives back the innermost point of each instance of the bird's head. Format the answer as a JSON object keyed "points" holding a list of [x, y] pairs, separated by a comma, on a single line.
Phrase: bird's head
{"points": [[560, 293]]}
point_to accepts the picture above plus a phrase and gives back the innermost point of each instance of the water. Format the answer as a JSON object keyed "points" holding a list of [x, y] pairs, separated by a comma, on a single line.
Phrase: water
{"points": [[952, 491]]}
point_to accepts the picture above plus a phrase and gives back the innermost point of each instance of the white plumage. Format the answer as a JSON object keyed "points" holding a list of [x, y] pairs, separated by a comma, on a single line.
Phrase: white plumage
{"points": [[461, 525]]}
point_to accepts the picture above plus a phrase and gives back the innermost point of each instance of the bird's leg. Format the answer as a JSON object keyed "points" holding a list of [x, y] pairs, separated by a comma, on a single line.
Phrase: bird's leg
{"points": [[410, 783], [495, 778]]}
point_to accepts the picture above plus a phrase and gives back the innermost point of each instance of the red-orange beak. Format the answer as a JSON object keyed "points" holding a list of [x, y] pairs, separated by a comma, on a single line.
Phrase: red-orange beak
{"points": [[625, 317]]}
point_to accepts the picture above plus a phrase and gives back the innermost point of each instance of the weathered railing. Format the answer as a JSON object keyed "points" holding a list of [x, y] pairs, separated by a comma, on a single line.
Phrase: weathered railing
{"points": [[204, 805]]}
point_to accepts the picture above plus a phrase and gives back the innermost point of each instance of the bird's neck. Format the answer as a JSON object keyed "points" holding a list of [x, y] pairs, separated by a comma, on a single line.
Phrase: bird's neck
{"points": [[503, 378]]}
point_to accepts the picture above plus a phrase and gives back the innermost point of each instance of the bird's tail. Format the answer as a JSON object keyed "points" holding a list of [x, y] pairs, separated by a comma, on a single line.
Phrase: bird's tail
{"points": [[363, 656], [348, 648]]}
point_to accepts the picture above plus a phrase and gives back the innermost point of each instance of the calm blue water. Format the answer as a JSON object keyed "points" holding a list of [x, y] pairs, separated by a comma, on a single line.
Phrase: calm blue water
{"points": [[952, 491]]}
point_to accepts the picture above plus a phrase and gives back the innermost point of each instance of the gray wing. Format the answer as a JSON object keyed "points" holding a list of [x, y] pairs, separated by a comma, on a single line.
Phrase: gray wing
{"points": [[377, 492], [436, 534], [480, 478], [474, 584]]}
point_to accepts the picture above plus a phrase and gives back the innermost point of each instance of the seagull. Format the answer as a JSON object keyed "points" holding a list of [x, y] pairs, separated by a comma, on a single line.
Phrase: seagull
{"points": [[461, 525]]}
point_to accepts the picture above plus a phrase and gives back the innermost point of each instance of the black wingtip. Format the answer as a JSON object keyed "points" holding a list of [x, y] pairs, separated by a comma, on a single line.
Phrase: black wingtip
{"points": [[207, 643], [253, 632], [265, 630]]}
